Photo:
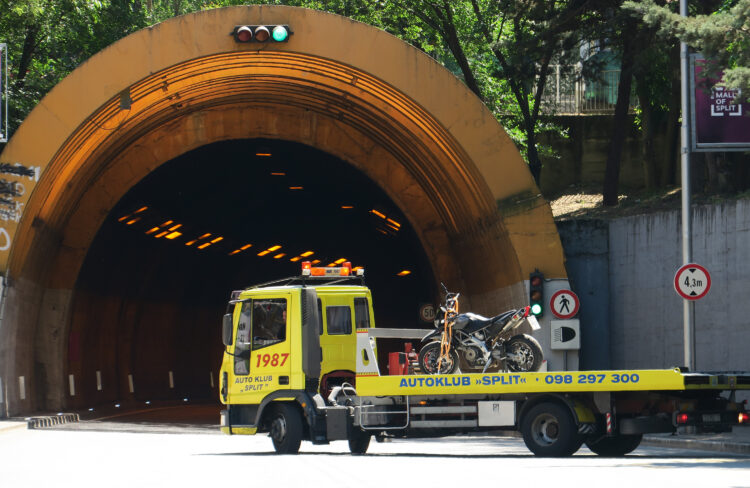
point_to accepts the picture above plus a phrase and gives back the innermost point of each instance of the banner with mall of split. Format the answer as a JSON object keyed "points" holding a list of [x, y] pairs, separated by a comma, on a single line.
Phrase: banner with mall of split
{"points": [[720, 120]]}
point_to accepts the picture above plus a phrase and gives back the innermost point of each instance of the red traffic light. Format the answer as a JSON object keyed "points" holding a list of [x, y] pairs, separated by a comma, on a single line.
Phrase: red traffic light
{"points": [[243, 34]]}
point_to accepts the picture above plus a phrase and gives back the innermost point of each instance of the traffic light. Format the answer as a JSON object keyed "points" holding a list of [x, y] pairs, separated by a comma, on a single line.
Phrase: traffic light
{"points": [[536, 293], [261, 33]]}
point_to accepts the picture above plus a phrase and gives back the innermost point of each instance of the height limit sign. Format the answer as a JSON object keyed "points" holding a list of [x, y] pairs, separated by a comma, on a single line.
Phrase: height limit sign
{"points": [[692, 281]]}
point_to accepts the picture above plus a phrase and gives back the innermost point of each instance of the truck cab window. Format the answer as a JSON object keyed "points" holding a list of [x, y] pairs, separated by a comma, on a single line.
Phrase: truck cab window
{"points": [[339, 320], [269, 322], [361, 313], [242, 342]]}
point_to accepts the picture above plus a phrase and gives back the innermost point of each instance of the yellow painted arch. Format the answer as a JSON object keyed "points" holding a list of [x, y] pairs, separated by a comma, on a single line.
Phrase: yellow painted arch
{"points": [[345, 73]]}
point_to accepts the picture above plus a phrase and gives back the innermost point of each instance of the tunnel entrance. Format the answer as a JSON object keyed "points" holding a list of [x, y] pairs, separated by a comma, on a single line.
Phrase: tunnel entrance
{"points": [[158, 275], [414, 139]]}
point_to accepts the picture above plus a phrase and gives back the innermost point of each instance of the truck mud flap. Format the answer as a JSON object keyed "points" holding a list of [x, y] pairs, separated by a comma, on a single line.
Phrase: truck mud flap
{"points": [[646, 425]]}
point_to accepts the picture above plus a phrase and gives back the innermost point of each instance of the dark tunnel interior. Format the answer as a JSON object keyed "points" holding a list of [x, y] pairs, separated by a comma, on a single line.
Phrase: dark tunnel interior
{"points": [[150, 295]]}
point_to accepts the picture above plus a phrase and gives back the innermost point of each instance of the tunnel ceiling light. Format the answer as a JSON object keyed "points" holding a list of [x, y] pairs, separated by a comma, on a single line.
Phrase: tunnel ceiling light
{"points": [[280, 255], [175, 227], [133, 221], [214, 241], [239, 250], [315, 261], [295, 259], [263, 253], [190, 243], [168, 222], [279, 173], [204, 245], [263, 154], [347, 207], [173, 235], [339, 261], [296, 188], [161, 234], [379, 214], [274, 248], [306, 254], [405, 272], [152, 230], [393, 222], [208, 234], [126, 217]]}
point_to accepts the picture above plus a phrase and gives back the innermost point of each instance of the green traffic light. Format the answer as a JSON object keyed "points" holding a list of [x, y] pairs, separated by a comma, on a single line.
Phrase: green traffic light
{"points": [[279, 33], [536, 309]]}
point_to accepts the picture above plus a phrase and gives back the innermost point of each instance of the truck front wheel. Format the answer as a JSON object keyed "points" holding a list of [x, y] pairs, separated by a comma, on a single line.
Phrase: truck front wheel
{"points": [[549, 430], [286, 429], [618, 445]]}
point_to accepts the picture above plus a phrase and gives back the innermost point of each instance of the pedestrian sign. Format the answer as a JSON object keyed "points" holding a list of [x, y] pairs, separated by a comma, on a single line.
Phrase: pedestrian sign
{"points": [[564, 304]]}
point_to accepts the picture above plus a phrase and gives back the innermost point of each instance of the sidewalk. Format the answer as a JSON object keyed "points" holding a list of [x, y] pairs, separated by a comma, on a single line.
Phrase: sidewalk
{"points": [[735, 442], [13, 424]]}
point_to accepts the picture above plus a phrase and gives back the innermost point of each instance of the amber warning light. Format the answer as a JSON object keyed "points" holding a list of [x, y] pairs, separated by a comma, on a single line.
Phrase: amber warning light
{"points": [[345, 270]]}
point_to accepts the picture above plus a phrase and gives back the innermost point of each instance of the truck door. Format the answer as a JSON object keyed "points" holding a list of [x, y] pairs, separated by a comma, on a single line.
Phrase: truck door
{"points": [[263, 328]]}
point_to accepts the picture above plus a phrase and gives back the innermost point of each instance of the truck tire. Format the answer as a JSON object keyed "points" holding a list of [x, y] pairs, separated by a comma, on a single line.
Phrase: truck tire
{"points": [[286, 429], [359, 440], [526, 348], [549, 430], [618, 445], [428, 359]]}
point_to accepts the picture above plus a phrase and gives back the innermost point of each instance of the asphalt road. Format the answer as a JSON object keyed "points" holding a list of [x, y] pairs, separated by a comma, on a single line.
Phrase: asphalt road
{"points": [[143, 451]]}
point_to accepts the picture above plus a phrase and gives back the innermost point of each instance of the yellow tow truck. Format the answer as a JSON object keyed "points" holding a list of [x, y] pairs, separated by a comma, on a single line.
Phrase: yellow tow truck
{"points": [[301, 363]]}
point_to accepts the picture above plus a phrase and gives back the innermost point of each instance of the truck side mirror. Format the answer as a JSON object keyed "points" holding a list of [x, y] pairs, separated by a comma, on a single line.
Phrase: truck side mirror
{"points": [[226, 330]]}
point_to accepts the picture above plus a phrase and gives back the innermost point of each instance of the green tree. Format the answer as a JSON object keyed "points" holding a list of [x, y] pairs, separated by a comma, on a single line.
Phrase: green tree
{"points": [[723, 36]]}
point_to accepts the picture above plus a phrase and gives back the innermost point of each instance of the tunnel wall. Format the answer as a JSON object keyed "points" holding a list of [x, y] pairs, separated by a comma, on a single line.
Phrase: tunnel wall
{"points": [[362, 94]]}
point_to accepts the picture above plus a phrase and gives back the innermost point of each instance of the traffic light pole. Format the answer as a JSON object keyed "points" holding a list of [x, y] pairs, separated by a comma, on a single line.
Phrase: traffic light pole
{"points": [[688, 307]]}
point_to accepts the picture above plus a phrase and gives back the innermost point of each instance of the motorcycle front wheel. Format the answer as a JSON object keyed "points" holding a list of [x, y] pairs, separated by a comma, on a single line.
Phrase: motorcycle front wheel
{"points": [[429, 360], [523, 354]]}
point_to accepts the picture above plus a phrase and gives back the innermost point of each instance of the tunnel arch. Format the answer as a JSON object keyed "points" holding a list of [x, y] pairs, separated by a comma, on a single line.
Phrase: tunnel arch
{"points": [[343, 87]]}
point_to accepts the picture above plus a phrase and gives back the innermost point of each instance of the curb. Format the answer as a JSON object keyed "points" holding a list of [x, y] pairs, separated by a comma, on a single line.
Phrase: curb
{"points": [[698, 444], [42, 422]]}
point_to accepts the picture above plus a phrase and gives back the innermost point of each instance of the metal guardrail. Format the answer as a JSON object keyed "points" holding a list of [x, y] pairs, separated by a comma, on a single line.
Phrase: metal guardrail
{"points": [[51, 421], [568, 93]]}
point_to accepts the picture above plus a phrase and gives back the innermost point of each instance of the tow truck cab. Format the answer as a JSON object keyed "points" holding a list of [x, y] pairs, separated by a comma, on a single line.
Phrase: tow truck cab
{"points": [[288, 341]]}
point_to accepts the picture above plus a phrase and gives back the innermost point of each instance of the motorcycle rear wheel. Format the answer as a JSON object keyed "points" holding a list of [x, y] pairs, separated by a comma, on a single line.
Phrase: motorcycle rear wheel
{"points": [[529, 352], [429, 357]]}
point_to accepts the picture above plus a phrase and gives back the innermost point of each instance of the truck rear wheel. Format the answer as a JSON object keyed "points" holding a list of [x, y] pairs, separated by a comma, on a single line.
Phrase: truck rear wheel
{"points": [[618, 445], [549, 430], [286, 429]]}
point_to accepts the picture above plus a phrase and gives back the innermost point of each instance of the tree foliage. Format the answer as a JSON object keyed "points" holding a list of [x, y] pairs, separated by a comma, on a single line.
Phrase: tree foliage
{"points": [[722, 36]]}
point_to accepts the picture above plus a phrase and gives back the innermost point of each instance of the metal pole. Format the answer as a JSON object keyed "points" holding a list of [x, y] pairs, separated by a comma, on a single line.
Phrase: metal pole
{"points": [[688, 307]]}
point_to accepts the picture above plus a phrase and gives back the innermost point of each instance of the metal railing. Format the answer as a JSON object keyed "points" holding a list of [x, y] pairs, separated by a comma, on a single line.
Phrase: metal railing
{"points": [[567, 92]]}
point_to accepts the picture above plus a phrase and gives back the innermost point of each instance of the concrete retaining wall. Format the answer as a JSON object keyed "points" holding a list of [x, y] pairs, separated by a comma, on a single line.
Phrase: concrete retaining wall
{"points": [[623, 271]]}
